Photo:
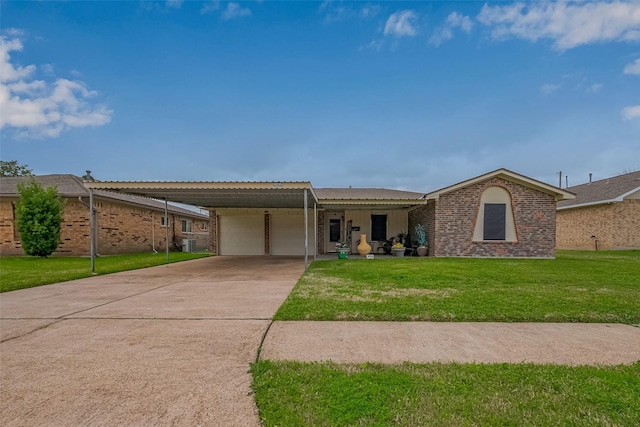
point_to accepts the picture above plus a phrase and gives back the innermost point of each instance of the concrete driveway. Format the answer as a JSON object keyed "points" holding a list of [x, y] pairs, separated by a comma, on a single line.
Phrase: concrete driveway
{"points": [[163, 345]]}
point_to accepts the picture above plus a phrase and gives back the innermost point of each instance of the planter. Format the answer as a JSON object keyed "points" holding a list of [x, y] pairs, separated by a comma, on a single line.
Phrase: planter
{"points": [[422, 251], [399, 252], [343, 253]]}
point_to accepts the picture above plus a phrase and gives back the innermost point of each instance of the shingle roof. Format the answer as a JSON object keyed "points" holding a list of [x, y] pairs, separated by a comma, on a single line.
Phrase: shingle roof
{"points": [[606, 190], [72, 186], [365, 194]]}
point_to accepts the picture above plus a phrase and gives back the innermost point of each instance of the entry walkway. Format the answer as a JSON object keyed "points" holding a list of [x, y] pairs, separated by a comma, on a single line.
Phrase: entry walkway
{"points": [[167, 345], [396, 342]]}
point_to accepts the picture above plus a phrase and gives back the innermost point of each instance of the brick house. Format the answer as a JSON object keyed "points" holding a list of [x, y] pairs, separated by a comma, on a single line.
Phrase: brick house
{"points": [[498, 214], [124, 223], [605, 213]]}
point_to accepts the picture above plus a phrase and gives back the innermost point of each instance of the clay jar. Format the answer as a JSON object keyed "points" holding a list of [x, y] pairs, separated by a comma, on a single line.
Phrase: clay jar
{"points": [[364, 248]]}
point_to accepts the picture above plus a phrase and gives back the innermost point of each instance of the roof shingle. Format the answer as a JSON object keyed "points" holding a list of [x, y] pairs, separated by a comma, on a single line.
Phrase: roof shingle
{"points": [[603, 191], [72, 186]]}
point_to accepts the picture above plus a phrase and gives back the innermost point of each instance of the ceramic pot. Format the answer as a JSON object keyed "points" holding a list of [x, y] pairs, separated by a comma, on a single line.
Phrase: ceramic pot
{"points": [[399, 252], [422, 251], [364, 248], [343, 253]]}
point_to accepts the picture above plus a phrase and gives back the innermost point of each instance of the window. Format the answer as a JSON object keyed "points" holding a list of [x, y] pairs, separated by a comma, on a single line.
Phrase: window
{"points": [[187, 226], [334, 230], [378, 228], [203, 226], [494, 221]]}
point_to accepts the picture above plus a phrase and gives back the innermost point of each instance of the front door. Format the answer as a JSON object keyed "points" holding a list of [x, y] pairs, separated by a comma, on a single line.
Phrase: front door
{"points": [[334, 232]]}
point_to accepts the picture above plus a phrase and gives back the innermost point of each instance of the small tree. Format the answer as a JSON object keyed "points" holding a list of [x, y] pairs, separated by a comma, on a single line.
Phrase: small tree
{"points": [[39, 216], [12, 168]]}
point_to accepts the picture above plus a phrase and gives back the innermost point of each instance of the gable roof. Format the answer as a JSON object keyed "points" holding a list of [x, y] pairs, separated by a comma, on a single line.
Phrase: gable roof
{"points": [[608, 190], [559, 193], [71, 186]]}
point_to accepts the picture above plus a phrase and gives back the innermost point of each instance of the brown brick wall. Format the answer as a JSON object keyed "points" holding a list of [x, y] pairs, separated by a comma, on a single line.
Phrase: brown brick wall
{"points": [[616, 226], [121, 229], [320, 235], [213, 232], [452, 221], [425, 215]]}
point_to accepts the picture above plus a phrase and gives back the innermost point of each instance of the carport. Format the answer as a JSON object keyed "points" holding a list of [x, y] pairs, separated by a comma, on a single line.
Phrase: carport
{"points": [[214, 195]]}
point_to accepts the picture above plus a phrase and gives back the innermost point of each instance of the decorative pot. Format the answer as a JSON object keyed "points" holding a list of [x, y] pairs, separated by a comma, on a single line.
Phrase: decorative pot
{"points": [[364, 248], [422, 250], [343, 253], [399, 252]]}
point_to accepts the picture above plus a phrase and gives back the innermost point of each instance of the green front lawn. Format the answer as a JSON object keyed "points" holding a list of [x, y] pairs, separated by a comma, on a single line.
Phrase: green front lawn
{"points": [[576, 287], [317, 394], [27, 272]]}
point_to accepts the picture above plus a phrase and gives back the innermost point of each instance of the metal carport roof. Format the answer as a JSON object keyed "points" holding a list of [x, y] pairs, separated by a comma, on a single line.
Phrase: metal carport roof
{"points": [[212, 194], [217, 194]]}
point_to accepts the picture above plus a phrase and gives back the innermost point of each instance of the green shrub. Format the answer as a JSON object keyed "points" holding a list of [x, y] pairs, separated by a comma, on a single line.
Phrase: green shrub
{"points": [[39, 216]]}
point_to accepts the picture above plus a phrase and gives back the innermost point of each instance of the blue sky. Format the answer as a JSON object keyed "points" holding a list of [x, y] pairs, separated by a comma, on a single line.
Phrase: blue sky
{"points": [[408, 95]]}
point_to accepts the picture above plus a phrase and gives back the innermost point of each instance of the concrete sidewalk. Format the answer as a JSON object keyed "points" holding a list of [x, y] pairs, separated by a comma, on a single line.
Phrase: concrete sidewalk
{"points": [[395, 342]]}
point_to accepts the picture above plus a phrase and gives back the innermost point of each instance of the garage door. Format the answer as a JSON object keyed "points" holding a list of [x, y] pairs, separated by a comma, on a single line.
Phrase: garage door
{"points": [[287, 234], [241, 235]]}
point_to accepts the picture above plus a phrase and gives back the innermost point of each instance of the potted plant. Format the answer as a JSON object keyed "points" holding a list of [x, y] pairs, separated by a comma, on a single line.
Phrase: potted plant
{"points": [[343, 250], [421, 239], [398, 249]]}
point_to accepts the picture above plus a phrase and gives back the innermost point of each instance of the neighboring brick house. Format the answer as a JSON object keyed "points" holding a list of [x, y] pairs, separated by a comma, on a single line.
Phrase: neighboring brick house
{"points": [[124, 223], [605, 213], [498, 214]]}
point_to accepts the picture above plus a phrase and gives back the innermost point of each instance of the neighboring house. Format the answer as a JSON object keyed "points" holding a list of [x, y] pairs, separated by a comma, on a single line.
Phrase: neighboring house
{"points": [[498, 214], [123, 223], [605, 213]]}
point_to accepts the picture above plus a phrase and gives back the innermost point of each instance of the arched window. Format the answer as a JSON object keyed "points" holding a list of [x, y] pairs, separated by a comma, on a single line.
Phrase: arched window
{"points": [[495, 217]]}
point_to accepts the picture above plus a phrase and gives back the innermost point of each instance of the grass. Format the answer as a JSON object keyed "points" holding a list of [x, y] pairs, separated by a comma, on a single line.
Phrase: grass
{"points": [[327, 394], [575, 287], [26, 272]]}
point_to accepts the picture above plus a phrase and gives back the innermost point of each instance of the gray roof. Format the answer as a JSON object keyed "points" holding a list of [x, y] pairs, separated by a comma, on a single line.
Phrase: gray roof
{"points": [[606, 190], [71, 186], [365, 194]]}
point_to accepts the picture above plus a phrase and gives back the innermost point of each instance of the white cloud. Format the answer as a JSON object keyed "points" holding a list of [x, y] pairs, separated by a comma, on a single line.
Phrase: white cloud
{"points": [[401, 23], [340, 12], [633, 68], [595, 88], [234, 10], [210, 6], [36, 108], [548, 88], [631, 112], [568, 24], [174, 3], [445, 32], [374, 45]]}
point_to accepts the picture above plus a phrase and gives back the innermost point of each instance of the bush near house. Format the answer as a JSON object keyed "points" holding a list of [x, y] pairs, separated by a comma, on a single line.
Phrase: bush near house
{"points": [[39, 215]]}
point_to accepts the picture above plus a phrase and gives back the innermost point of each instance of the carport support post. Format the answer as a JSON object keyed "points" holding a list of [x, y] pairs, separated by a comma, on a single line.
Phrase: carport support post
{"points": [[306, 230], [166, 227], [92, 232], [315, 230]]}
